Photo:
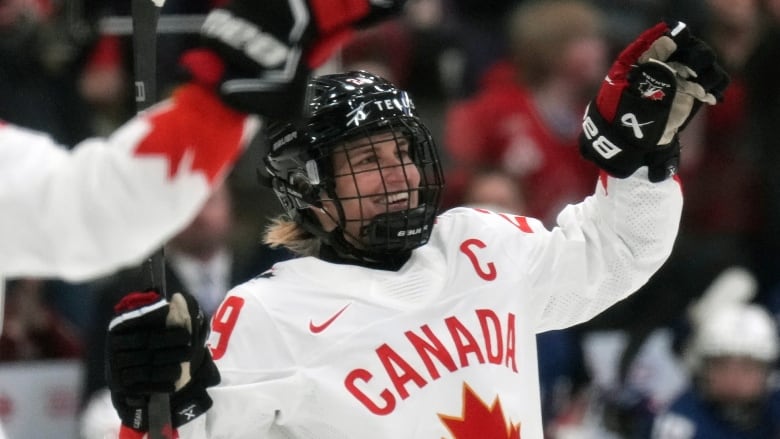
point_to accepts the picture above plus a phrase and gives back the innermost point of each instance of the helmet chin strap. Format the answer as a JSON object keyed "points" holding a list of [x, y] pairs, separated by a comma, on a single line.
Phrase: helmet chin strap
{"points": [[387, 241], [392, 231], [338, 249]]}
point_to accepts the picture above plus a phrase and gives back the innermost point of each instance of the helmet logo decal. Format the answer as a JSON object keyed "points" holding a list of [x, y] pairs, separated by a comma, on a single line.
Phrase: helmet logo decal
{"points": [[357, 115], [394, 104], [285, 140], [359, 81], [411, 232], [391, 106]]}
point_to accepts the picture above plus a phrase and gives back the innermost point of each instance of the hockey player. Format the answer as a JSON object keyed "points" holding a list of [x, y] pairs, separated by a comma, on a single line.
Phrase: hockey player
{"points": [[398, 322], [731, 356], [110, 202]]}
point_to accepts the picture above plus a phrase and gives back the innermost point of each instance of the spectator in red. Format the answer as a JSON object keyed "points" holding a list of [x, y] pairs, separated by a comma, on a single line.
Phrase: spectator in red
{"points": [[526, 117], [495, 190]]}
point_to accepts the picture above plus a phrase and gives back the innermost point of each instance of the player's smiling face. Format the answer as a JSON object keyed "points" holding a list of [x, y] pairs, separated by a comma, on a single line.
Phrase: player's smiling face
{"points": [[373, 175]]}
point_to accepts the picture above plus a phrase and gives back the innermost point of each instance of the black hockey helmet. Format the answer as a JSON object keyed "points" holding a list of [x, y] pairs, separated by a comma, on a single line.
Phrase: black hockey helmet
{"points": [[343, 108]]}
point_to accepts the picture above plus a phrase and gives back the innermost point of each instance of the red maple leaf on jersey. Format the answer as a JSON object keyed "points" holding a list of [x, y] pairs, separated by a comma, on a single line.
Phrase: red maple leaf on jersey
{"points": [[199, 135], [480, 420]]}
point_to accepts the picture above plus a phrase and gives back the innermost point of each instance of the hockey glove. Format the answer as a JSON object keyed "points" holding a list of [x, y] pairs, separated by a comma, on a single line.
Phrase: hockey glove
{"points": [[653, 89], [159, 347], [260, 52]]}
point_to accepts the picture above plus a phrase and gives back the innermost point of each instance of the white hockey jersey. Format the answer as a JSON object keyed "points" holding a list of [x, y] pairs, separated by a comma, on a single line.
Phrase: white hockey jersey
{"points": [[110, 202], [443, 348]]}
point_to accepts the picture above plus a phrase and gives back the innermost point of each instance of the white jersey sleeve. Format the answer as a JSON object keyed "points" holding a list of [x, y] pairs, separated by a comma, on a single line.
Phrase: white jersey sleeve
{"points": [[110, 202], [604, 248], [442, 347]]}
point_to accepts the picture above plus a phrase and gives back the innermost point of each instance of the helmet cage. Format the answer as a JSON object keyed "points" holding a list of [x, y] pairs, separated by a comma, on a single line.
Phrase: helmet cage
{"points": [[352, 111]]}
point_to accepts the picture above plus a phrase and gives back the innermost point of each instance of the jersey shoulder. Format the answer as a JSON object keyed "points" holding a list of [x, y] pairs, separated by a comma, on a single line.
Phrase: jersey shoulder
{"points": [[474, 218], [270, 280], [297, 279]]}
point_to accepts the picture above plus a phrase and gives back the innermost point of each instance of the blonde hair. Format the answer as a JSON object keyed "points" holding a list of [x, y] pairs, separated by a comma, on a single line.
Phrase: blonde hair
{"points": [[284, 232]]}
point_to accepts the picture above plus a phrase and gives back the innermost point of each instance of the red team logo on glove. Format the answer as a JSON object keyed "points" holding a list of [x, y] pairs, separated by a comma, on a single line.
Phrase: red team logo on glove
{"points": [[651, 92]]}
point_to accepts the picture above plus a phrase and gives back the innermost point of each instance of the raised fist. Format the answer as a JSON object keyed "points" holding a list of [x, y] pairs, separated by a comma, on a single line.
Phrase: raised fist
{"points": [[262, 51], [652, 90], [156, 346]]}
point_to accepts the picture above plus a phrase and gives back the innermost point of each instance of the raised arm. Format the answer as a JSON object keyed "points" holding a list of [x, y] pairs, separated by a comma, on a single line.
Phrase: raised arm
{"points": [[110, 202], [626, 231]]}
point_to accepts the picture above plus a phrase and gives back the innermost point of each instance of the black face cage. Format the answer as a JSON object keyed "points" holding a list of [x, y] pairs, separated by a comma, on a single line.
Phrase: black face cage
{"points": [[387, 235]]}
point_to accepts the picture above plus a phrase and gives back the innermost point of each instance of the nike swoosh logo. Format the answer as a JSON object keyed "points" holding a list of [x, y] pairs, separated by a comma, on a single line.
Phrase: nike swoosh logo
{"points": [[316, 329]]}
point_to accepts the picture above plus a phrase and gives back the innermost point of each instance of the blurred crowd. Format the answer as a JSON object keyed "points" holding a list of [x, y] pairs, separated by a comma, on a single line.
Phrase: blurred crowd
{"points": [[503, 85]]}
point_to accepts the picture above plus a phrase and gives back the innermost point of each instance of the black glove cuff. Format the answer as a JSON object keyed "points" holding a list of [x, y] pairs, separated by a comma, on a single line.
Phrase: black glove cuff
{"points": [[664, 162], [188, 403], [277, 100], [132, 410], [602, 144], [193, 400]]}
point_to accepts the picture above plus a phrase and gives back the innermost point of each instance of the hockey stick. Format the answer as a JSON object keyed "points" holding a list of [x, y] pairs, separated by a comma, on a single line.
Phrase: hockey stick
{"points": [[146, 14], [167, 24]]}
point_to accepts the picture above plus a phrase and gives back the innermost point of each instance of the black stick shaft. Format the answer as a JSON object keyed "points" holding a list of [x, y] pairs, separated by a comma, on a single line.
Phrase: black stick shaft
{"points": [[146, 14]]}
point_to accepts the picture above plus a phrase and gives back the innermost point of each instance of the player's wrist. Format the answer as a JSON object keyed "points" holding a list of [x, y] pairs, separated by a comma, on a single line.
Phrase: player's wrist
{"points": [[193, 399], [620, 156], [188, 403]]}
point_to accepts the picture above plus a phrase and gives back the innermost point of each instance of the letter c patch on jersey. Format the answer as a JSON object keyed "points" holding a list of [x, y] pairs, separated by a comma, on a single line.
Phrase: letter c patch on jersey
{"points": [[487, 273]]}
